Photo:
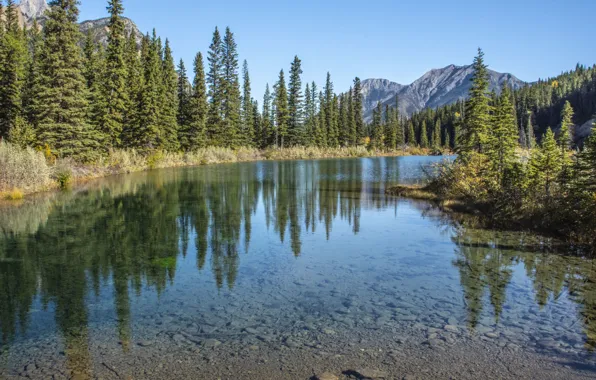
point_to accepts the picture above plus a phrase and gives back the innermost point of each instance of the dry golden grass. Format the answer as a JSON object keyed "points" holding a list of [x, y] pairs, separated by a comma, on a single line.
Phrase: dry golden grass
{"points": [[30, 171]]}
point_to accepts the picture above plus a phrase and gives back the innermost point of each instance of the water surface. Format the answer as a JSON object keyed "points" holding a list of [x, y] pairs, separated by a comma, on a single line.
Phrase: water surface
{"points": [[277, 253]]}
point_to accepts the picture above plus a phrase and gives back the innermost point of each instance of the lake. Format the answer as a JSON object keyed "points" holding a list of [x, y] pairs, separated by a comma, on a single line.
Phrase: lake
{"points": [[275, 270]]}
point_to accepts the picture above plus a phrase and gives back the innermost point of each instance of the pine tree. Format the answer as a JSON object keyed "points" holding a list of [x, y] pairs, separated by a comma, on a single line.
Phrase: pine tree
{"points": [[32, 87], [411, 135], [344, 139], [359, 120], [63, 95], [376, 140], [400, 136], [169, 102], [476, 121], [257, 126], [545, 164], [436, 137], [352, 131], [531, 138], [295, 107], [147, 134], [330, 116], [184, 106], [564, 139], [134, 86], [321, 127], [114, 82], [247, 134], [503, 137], [266, 127], [231, 92], [199, 106], [282, 115], [13, 56], [308, 116], [423, 135], [216, 90]]}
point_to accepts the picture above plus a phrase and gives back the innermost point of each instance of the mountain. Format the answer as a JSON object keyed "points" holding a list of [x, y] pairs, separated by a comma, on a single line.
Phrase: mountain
{"points": [[35, 9], [436, 88]]}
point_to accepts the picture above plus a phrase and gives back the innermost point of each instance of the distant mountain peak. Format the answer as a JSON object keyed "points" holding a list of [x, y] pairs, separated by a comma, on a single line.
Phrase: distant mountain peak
{"points": [[32, 10], [437, 87], [35, 10]]}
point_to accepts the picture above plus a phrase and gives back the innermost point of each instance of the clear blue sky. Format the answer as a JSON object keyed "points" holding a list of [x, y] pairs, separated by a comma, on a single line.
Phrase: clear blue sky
{"points": [[394, 39]]}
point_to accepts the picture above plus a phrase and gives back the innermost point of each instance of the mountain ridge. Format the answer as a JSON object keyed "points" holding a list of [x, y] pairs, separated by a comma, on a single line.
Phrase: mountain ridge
{"points": [[31, 10], [435, 88]]}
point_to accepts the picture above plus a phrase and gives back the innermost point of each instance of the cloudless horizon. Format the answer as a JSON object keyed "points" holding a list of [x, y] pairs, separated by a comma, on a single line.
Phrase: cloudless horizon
{"points": [[395, 40]]}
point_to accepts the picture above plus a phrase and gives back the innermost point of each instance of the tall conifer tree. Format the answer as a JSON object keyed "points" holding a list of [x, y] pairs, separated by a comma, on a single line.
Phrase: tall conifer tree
{"points": [[476, 121], [169, 101], [282, 115], [231, 92], [114, 83], [248, 133], [63, 95], [357, 100], [295, 107], [198, 108]]}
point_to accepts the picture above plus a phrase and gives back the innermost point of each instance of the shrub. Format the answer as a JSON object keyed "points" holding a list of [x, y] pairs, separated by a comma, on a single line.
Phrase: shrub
{"points": [[22, 168], [63, 175], [14, 195]]}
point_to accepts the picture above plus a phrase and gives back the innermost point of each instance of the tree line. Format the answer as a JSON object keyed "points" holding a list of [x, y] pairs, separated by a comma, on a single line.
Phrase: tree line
{"points": [[538, 107], [65, 93]]}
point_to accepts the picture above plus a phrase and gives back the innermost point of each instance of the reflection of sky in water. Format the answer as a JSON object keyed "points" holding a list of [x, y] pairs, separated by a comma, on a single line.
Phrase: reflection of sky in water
{"points": [[268, 244]]}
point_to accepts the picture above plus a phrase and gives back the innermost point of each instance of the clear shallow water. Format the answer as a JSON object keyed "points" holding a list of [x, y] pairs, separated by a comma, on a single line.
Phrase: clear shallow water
{"points": [[276, 253]]}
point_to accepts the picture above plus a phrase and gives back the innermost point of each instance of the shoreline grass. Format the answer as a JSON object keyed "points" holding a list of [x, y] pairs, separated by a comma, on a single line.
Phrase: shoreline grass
{"points": [[25, 171]]}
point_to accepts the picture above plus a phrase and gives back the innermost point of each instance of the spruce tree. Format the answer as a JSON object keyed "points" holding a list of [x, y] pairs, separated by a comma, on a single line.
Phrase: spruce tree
{"points": [[531, 138], [13, 56], [266, 127], [400, 136], [295, 107], [423, 135], [321, 127], [411, 135], [114, 82], [503, 137], [330, 116], [32, 87], [147, 134], [134, 86], [196, 136], [358, 119], [282, 114], [352, 127], [63, 95], [376, 140], [184, 107], [256, 126], [476, 121], [308, 116], [545, 164], [436, 138], [169, 102], [247, 134], [565, 142], [231, 91], [344, 128], [216, 90]]}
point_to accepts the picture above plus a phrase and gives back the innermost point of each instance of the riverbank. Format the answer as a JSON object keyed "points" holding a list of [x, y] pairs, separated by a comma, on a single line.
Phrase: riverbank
{"points": [[25, 171]]}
